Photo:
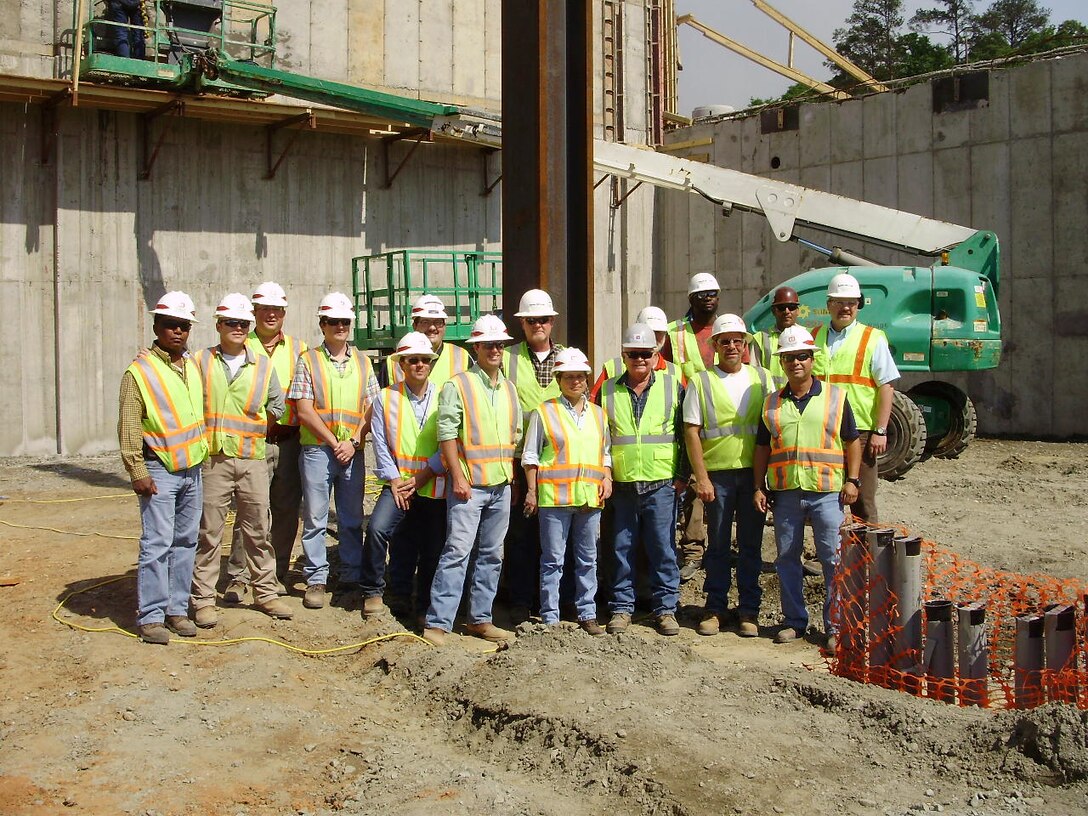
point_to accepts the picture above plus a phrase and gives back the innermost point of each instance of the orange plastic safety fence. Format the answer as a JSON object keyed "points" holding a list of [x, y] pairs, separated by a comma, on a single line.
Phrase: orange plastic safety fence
{"points": [[916, 617]]}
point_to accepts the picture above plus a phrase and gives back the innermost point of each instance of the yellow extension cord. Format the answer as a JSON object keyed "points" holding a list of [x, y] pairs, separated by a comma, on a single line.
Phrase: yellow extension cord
{"points": [[56, 611]]}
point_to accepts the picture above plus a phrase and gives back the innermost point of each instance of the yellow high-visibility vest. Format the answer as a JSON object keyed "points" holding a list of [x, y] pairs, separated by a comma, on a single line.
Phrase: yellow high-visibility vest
{"points": [[851, 369], [807, 452], [235, 412], [685, 348], [339, 399], [519, 370], [728, 436], [451, 360], [571, 470], [411, 445], [173, 428], [649, 451], [284, 359], [488, 432], [764, 352]]}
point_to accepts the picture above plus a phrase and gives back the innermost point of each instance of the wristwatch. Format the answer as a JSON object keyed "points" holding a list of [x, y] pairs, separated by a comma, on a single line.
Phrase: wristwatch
{"points": [[855, 481], [881, 431], [355, 444]]}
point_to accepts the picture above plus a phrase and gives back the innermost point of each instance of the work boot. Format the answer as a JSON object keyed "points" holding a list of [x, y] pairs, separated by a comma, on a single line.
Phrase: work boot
{"points": [[314, 597], [519, 615], [281, 588], [274, 608], [748, 627], [710, 624], [619, 623], [689, 570], [489, 631], [153, 633], [812, 568], [206, 617], [436, 637], [181, 626], [373, 606], [831, 645], [235, 593], [399, 604], [667, 625], [789, 634], [591, 627]]}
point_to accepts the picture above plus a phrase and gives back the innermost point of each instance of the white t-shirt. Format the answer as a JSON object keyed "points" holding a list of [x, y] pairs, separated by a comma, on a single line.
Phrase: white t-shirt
{"points": [[234, 363], [738, 386]]}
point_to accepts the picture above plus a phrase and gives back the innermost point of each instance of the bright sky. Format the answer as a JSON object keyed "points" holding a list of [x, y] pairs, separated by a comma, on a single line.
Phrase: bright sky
{"points": [[714, 75]]}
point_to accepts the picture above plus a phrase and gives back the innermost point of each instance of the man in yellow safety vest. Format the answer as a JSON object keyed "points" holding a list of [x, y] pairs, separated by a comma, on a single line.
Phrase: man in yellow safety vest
{"points": [[242, 397], [721, 416], [160, 430], [479, 427], [785, 306], [429, 318], [332, 391], [268, 340], [806, 465]]}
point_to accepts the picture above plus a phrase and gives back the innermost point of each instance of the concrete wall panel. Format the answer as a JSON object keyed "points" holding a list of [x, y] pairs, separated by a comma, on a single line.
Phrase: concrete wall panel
{"points": [[847, 132]]}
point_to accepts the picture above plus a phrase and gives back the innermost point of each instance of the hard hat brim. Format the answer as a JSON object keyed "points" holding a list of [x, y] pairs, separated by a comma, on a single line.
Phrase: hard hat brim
{"points": [[490, 338], [261, 300], [180, 315], [537, 313]]}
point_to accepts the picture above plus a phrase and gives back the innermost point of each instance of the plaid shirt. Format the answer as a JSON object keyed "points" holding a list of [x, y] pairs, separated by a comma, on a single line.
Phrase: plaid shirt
{"points": [[544, 368], [302, 385]]}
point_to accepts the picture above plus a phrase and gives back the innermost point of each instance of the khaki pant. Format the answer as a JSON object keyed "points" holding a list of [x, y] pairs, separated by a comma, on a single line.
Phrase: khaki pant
{"points": [[284, 498], [246, 481], [693, 528], [865, 507]]}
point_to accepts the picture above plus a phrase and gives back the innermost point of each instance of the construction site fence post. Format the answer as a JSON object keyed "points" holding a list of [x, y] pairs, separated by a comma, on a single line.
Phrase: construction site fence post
{"points": [[1060, 642], [974, 663], [907, 587], [1028, 661], [881, 635], [940, 652]]}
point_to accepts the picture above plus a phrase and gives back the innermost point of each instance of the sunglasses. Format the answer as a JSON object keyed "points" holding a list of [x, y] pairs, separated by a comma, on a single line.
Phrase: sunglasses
{"points": [[235, 324], [839, 304], [786, 307], [639, 355], [416, 360], [731, 341], [706, 295], [801, 357], [492, 346], [537, 321], [336, 321], [183, 325]]}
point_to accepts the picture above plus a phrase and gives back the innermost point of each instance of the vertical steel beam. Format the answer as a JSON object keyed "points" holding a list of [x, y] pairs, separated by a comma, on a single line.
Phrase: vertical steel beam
{"points": [[547, 159]]}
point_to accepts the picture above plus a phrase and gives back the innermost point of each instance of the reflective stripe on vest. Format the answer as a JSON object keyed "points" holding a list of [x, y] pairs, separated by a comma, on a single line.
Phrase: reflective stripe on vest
{"points": [[519, 370], [685, 348], [648, 452], [614, 367], [412, 446], [488, 432], [806, 450], [173, 428], [451, 360], [339, 399], [234, 411], [284, 358], [729, 431], [851, 368], [571, 470], [766, 344]]}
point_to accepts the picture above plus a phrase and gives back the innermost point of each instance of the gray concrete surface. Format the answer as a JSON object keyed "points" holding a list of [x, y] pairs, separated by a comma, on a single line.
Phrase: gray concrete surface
{"points": [[1017, 165]]}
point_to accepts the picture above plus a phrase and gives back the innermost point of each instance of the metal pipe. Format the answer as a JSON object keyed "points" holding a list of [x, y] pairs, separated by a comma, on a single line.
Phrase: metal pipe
{"points": [[940, 653], [58, 353], [837, 255], [1060, 640], [881, 569], [974, 662], [854, 603], [907, 587], [1028, 661]]}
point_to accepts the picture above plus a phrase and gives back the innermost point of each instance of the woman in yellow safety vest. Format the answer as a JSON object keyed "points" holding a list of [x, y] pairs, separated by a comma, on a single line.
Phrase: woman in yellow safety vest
{"points": [[568, 471]]}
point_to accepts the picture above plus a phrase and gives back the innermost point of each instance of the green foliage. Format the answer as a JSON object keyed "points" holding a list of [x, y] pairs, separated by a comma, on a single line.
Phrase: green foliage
{"points": [[1014, 20], [870, 37], [953, 19]]}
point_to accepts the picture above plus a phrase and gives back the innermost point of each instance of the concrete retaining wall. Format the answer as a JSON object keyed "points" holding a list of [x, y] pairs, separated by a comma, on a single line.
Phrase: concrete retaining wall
{"points": [[1017, 164]]}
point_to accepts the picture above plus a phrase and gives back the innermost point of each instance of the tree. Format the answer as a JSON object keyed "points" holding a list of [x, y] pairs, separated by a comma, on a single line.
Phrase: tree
{"points": [[953, 19], [797, 90], [919, 55], [1068, 32], [870, 39], [1014, 20]]}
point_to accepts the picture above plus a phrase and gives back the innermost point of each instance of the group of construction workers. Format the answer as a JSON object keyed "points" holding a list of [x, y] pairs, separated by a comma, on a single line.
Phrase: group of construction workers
{"points": [[500, 463]]}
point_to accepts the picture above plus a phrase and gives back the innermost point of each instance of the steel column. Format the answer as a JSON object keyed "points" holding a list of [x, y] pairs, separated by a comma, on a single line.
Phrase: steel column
{"points": [[547, 160]]}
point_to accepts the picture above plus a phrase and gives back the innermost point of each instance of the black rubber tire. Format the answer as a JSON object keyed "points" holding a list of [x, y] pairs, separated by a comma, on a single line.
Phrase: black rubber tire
{"points": [[906, 438], [964, 420]]}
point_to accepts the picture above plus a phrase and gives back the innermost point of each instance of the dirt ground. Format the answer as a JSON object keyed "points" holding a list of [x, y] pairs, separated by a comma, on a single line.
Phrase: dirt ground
{"points": [[560, 723]]}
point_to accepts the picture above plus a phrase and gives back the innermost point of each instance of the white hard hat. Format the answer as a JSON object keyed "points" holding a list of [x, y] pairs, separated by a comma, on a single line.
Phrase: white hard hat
{"points": [[488, 329], [639, 336], [844, 285], [654, 318], [795, 338], [269, 294], [702, 282], [176, 304], [429, 307], [234, 306], [730, 323], [571, 359], [536, 303], [336, 305], [414, 344]]}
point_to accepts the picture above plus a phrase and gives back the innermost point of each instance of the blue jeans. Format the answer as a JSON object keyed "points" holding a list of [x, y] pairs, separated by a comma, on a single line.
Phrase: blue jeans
{"points": [[733, 491], [414, 548], [170, 521], [476, 524], [556, 523], [127, 42], [321, 474], [648, 519], [824, 512]]}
